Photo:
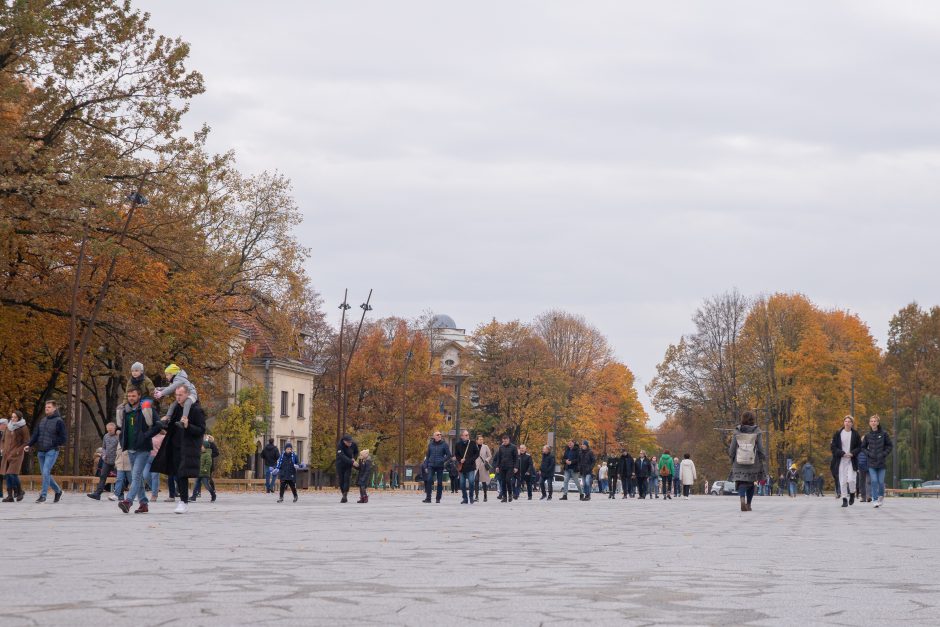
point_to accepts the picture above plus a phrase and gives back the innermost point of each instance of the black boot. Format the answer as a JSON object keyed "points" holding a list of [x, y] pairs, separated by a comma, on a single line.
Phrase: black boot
{"points": [[564, 497], [852, 499], [343, 500], [845, 502], [9, 498]]}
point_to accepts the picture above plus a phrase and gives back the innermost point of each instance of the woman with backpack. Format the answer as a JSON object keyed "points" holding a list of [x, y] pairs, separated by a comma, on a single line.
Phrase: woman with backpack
{"points": [[747, 459], [667, 468]]}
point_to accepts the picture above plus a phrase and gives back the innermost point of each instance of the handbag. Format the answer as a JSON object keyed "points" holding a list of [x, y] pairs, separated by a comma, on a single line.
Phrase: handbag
{"points": [[460, 463]]}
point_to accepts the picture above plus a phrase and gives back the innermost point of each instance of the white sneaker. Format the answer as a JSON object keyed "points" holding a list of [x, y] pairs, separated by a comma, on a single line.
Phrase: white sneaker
{"points": [[877, 503], [181, 508], [112, 497], [686, 498]]}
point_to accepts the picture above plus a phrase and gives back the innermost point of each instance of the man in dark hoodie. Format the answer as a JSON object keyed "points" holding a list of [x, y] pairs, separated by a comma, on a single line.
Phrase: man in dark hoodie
{"points": [[526, 470], [586, 461], [626, 473], [437, 456], [570, 460], [347, 456], [506, 464], [48, 437], [269, 456], [547, 470], [642, 469], [613, 473]]}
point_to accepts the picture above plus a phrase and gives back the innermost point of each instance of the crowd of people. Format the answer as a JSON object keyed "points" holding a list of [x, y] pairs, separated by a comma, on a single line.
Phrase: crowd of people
{"points": [[140, 445]]}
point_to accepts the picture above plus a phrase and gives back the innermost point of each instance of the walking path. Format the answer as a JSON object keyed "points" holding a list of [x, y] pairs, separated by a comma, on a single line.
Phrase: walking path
{"points": [[396, 561]]}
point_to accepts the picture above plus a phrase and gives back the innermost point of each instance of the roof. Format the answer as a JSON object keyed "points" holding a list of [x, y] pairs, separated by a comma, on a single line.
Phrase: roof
{"points": [[443, 321], [261, 345]]}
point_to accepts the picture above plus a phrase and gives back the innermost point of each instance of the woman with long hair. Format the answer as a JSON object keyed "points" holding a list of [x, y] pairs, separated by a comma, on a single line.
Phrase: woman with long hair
{"points": [[748, 458]]}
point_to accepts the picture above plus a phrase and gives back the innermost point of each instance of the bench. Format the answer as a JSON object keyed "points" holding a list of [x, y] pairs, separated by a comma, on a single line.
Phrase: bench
{"points": [[914, 492]]}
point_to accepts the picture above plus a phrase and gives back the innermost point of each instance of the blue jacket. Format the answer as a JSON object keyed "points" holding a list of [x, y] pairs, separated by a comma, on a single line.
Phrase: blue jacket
{"points": [[50, 434], [571, 454], [285, 466], [438, 454], [863, 460]]}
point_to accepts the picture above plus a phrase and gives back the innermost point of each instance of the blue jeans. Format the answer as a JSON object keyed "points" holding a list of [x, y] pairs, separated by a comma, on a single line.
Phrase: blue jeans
{"points": [[570, 474], [429, 484], [791, 488], [587, 479], [153, 478], [269, 479], [46, 462], [138, 489], [123, 478], [603, 483], [466, 485], [877, 476]]}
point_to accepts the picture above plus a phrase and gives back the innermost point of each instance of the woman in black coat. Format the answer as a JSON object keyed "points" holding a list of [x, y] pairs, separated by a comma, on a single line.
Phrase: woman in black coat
{"points": [[845, 446], [181, 449]]}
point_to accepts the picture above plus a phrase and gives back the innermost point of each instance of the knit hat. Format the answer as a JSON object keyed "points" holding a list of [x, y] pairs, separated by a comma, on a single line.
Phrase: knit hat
{"points": [[137, 366], [585, 442], [287, 445], [172, 369]]}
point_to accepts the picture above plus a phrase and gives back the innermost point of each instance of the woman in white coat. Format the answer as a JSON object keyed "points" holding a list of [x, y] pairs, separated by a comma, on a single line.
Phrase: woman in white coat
{"points": [[687, 475], [483, 468]]}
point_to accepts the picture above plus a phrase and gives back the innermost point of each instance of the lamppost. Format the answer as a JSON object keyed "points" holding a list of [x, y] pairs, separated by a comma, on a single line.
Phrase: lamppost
{"points": [[460, 378], [344, 306]]}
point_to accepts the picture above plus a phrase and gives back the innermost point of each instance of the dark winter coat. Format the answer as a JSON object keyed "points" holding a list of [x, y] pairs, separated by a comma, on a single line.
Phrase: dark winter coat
{"points": [[50, 434], [270, 454], [142, 431], [472, 451], [547, 467], [507, 456], [346, 454], [437, 455], [626, 466], [365, 471], [748, 472], [181, 449], [855, 445], [285, 466], [878, 445], [642, 467], [570, 455], [526, 466], [586, 461]]}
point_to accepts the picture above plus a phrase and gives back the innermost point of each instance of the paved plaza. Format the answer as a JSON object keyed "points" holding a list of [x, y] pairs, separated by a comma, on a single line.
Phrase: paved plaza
{"points": [[396, 561]]}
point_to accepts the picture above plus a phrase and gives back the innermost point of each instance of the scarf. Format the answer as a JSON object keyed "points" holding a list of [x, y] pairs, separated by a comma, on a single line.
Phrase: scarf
{"points": [[13, 426]]}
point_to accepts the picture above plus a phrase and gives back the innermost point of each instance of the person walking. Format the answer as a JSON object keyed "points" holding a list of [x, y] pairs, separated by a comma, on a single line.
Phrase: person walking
{"points": [[687, 475], [666, 469], [643, 468], [154, 477], [48, 437], [809, 478], [626, 468], [347, 456], [484, 463], [861, 482], [365, 472], [437, 456], [878, 446], [845, 446], [586, 461], [205, 471], [109, 446], [209, 442], [547, 471], [747, 458], [602, 475], [526, 470], [793, 476], [613, 474], [179, 455], [570, 461], [12, 452], [506, 463], [466, 453], [286, 470], [135, 423], [269, 457], [654, 478]]}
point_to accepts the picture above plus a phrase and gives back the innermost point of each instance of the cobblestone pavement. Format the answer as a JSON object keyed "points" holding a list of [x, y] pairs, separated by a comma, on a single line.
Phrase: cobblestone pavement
{"points": [[396, 561]]}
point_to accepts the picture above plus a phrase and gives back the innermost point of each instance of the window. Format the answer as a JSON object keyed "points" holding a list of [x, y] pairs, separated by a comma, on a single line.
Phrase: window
{"points": [[449, 362], [299, 449], [300, 406], [284, 401]]}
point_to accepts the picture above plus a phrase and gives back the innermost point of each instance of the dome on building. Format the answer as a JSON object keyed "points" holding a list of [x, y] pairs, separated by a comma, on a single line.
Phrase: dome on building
{"points": [[443, 321]]}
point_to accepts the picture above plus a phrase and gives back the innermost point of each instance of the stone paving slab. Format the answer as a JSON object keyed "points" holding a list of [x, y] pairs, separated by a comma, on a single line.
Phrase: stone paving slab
{"points": [[396, 561]]}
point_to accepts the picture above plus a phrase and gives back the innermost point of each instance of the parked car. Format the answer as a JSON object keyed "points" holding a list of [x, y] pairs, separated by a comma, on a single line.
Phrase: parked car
{"points": [[935, 483], [558, 484], [722, 488]]}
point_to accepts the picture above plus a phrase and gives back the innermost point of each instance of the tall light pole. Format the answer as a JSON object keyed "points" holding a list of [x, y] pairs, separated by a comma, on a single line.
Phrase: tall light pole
{"points": [[894, 450], [340, 379], [365, 308], [460, 379]]}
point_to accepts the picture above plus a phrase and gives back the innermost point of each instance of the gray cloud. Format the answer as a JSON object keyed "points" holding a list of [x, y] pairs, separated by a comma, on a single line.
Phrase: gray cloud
{"points": [[620, 160]]}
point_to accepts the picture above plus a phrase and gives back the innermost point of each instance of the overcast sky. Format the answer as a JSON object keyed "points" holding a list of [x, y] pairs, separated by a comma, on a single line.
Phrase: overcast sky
{"points": [[619, 160]]}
